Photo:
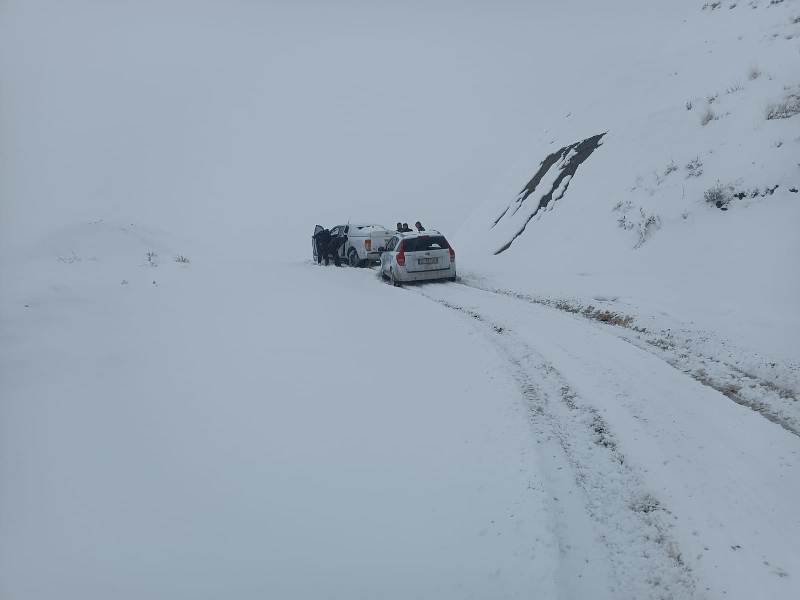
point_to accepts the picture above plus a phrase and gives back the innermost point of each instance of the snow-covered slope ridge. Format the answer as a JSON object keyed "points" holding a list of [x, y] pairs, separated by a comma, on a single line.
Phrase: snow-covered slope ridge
{"points": [[711, 120], [558, 167], [689, 210]]}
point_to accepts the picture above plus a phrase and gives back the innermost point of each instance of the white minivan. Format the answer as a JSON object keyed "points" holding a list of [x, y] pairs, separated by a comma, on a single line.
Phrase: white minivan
{"points": [[418, 256]]}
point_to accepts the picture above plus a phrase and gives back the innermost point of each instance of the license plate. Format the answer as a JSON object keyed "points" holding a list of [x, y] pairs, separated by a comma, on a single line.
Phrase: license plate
{"points": [[427, 261]]}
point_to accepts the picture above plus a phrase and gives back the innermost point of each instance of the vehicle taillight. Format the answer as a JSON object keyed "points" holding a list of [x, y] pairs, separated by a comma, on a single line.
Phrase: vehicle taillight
{"points": [[368, 244], [401, 256], [452, 254]]}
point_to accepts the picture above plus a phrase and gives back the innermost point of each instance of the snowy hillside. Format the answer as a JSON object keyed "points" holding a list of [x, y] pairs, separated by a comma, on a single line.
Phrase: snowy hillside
{"points": [[706, 122], [686, 214], [605, 405]]}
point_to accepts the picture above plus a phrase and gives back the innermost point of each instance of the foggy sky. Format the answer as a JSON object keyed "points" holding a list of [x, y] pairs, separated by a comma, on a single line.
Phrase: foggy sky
{"points": [[217, 119]]}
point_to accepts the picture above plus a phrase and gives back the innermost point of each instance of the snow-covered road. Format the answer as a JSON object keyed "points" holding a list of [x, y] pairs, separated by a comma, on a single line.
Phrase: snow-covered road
{"points": [[691, 492], [244, 428]]}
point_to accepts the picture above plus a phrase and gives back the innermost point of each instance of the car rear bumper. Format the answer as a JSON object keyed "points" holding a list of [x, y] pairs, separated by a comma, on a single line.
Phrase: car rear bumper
{"points": [[403, 275]]}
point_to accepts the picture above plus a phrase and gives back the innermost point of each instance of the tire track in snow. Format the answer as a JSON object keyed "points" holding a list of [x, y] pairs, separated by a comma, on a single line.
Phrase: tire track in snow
{"points": [[633, 525], [775, 403]]}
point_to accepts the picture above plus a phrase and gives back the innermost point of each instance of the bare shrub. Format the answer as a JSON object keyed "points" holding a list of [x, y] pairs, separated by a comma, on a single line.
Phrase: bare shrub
{"points": [[707, 117], [648, 225], [753, 73], [606, 316], [789, 107], [671, 168], [152, 258], [718, 195], [182, 259], [622, 205], [689, 105], [732, 89], [624, 223], [694, 167], [645, 504], [72, 258]]}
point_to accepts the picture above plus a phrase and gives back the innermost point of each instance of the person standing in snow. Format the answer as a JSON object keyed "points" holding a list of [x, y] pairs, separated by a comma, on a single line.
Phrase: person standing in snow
{"points": [[322, 239], [406, 228], [399, 227], [419, 226], [333, 249]]}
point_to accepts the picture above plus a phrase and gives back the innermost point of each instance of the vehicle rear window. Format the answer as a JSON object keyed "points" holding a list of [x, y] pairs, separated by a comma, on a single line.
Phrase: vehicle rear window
{"points": [[423, 243]]}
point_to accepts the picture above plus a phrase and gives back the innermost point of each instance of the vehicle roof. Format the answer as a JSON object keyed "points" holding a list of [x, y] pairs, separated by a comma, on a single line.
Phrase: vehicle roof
{"points": [[410, 234]]}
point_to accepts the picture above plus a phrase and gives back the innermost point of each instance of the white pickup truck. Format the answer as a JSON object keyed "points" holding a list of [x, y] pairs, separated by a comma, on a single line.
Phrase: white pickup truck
{"points": [[363, 241]]}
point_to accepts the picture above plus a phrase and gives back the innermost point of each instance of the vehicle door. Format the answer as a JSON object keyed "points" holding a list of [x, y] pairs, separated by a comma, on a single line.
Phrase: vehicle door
{"points": [[335, 231], [388, 254], [344, 248], [317, 229], [427, 253]]}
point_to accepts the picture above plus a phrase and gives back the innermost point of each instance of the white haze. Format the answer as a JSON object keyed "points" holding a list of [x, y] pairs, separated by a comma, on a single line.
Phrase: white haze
{"points": [[255, 120], [190, 408]]}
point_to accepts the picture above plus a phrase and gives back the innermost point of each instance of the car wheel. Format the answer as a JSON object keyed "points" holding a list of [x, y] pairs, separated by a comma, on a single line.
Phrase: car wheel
{"points": [[394, 281], [352, 258]]}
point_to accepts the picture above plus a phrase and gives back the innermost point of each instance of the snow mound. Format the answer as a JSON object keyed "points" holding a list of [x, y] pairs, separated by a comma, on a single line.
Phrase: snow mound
{"points": [[81, 262]]}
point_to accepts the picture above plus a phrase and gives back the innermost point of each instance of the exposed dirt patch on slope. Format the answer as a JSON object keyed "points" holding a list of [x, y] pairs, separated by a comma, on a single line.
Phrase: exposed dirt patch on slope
{"points": [[566, 160]]}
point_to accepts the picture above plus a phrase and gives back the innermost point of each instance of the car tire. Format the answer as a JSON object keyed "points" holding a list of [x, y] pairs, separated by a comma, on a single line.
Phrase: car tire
{"points": [[393, 280], [352, 258]]}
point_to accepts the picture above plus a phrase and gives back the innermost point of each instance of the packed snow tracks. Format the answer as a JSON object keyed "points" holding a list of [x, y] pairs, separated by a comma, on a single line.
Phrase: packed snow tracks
{"points": [[688, 494], [758, 383], [598, 499]]}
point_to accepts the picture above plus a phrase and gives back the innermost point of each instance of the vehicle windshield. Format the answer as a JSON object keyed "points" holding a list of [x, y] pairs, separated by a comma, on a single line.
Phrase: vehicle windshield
{"points": [[424, 243]]}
